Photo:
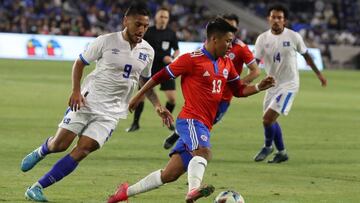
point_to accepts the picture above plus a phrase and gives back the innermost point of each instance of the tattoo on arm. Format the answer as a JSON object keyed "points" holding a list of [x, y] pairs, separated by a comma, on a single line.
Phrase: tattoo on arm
{"points": [[150, 94]]}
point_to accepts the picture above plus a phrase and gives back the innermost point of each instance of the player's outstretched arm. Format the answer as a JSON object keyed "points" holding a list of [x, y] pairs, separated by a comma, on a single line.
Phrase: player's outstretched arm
{"points": [[147, 89], [240, 90], [309, 60], [253, 74], [76, 100]]}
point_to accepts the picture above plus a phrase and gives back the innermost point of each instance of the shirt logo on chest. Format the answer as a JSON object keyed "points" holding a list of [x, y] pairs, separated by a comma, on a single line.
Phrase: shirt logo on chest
{"points": [[142, 56], [115, 51], [286, 44], [206, 74], [225, 73]]}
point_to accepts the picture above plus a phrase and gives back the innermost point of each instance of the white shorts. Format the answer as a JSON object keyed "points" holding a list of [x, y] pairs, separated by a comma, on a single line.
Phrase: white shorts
{"points": [[279, 100], [95, 126]]}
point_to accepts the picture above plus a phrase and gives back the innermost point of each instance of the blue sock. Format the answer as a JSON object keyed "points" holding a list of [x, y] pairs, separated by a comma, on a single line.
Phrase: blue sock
{"points": [[44, 150], [269, 135], [278, 140], [62, 168]]}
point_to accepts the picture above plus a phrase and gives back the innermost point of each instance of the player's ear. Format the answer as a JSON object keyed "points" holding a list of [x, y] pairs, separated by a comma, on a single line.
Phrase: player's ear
{"points": [[126, 21]]}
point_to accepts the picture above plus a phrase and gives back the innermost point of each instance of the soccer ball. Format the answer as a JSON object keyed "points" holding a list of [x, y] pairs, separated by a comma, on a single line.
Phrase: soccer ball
{"points": [[229, 196]]}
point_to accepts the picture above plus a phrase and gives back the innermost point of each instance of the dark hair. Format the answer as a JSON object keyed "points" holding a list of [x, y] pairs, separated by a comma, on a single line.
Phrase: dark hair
{"points": [[278, 7], [163, 8], [218, 26], [231, 16], [138, 8]]}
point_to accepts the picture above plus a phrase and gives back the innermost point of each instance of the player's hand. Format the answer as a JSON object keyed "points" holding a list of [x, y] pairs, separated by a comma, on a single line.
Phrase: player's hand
{"points": [[266, 83], [167, 60], [322, 79], [165, 115], [76, 101], [134, 102]]}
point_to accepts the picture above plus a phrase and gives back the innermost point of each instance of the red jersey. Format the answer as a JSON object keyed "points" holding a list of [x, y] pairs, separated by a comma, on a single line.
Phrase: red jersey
{"points": [[203, 80], [239, 54]]}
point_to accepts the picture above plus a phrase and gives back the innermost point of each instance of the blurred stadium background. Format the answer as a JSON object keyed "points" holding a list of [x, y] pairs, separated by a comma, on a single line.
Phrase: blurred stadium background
{"points": [[322, 131]]}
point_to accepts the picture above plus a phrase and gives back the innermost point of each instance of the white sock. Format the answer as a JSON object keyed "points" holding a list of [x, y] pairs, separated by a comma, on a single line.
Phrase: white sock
{"points": [[196, 170], [150, 182]]}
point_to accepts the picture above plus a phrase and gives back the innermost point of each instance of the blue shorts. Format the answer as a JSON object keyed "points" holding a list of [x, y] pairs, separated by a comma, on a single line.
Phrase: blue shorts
{"points": [[193, 134], [223, 107]]}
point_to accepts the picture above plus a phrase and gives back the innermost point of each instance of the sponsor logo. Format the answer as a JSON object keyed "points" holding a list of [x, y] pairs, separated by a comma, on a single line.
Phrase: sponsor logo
{"points": [[206, 74], [52, 48], [115, 51]]}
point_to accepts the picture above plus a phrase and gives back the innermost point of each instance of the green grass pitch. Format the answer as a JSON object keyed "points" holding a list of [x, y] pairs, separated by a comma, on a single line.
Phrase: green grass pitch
{"points": [[322, 135]]}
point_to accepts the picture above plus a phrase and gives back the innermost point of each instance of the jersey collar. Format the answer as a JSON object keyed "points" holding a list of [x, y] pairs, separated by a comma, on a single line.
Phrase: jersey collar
{"points": [[213, 60]]}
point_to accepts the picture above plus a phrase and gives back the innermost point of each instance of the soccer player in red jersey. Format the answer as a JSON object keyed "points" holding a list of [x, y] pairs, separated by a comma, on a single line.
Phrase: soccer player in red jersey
{"points": [[204, 74], [239, 54]]}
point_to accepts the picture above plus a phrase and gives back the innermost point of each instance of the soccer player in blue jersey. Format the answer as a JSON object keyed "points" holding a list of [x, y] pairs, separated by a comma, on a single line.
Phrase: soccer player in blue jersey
{"points": [[123, 60]]}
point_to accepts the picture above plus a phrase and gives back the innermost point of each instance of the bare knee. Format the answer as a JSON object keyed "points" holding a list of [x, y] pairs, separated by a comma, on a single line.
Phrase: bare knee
{"points": [[203, 152], [79, 153], [56, 145]]}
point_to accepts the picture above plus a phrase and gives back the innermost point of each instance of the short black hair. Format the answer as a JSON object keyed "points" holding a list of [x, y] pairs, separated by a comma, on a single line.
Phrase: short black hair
{"points": [[231, 16], [278, 7], [218, 26], [138, 8]]}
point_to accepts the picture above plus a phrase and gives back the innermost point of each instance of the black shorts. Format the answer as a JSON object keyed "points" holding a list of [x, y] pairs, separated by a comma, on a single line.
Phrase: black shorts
{"points": [[167, 85]]}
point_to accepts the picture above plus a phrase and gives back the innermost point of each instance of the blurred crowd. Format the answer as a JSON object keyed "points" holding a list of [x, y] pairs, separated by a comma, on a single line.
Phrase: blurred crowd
{"points": [[320, 22], [95, 17]]}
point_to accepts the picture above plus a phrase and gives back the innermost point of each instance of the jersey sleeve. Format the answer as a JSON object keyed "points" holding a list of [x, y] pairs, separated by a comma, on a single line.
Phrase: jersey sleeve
{"points": [[174, 42], [182, 65], [300, 44], [146, 73], [259, 48], [247, 55], [93, 51], [233, 75]]}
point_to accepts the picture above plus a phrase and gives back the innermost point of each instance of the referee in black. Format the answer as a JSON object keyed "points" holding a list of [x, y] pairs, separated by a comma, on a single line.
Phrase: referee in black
{"points": [[163, 40]]}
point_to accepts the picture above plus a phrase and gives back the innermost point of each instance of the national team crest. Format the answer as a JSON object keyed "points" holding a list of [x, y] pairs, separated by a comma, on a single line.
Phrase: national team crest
{"points": [[142, 56], [225, 73], [231, 56], [286, 44], [165, 45], [204, 138]]}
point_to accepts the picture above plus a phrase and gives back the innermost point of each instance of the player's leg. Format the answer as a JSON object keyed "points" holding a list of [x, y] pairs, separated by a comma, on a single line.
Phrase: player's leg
{"points": [[285, 101], [222, 109], [58, 143], [93, 137], [173, 170], [196, 137], [137, 113]]}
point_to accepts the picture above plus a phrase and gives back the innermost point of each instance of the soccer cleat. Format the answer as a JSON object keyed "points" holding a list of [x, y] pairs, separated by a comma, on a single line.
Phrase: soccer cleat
{"points": [[278, 158], [170, 140], [203, 191], [35, 194], [133, 127], [30, 160], [120, 194], [264, 152]]}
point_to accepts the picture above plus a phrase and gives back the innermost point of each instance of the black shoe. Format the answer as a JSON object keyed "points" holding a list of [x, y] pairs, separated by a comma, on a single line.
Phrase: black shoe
{"points": [[264, 152], [278, 158], [133, 127], [170, 140]]}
